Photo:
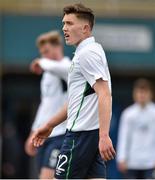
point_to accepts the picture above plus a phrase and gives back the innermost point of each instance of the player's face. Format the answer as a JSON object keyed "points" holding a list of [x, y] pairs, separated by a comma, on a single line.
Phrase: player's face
{"points": [[50, 51], [73, 28], [142, 96]]}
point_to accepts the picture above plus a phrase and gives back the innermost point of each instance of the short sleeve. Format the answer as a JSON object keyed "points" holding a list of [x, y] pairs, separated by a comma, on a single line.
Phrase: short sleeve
{"points": [[59, 68], [93, 67]]}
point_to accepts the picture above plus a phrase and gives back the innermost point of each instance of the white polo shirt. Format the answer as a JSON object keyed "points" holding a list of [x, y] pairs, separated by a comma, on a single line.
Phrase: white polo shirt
{"points": [[58, 68], [136, 140], [88, 65], [52, 95]]}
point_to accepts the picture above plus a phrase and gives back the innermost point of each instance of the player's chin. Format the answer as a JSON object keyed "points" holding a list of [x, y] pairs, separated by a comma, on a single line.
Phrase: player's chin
{"points": [[69, 43]]}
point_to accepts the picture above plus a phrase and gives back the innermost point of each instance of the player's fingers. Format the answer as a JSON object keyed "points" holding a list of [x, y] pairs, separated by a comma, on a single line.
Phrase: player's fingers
{"points": [[40, 142], [35, 136], [102, 156], [36, 142], [113, 151], [105, 155], [110, 154]]}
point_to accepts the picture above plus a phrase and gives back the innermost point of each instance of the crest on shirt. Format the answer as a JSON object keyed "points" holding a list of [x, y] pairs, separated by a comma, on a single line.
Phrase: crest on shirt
{"points": [[71, 67]]}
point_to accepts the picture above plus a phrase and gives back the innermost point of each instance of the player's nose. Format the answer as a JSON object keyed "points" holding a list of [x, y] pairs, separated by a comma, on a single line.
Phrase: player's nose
{"points": [[64, 28]]}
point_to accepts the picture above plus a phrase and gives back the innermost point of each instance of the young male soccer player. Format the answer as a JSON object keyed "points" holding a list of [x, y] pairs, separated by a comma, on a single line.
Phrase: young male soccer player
{"points": [[136, 142], [88, 112], [55, 67]]}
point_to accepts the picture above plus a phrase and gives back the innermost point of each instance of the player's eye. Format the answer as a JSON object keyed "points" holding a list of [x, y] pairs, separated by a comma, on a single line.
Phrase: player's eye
{"points": [[70, 23]]}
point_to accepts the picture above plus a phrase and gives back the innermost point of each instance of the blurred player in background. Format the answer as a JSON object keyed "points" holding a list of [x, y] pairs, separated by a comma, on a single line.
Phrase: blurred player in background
{"points": [[55, 67], [87, 140], [136, 140]]}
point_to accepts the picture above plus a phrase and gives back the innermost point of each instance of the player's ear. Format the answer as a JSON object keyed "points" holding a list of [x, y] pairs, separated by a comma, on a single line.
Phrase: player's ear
{"points": [[86, 28]]}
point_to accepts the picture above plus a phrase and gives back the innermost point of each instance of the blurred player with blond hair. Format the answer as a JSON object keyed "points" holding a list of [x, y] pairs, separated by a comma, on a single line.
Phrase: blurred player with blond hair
{"points": [[54, 67]]}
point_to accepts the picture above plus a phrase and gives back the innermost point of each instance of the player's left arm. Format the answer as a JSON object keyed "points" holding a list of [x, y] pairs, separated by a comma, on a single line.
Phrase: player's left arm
{"points": [[105, 107], [95, 70]]}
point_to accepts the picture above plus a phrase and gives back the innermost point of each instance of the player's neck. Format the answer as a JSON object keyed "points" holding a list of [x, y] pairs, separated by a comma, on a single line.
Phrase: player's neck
{"points": [[83, 38], [143, 105]]}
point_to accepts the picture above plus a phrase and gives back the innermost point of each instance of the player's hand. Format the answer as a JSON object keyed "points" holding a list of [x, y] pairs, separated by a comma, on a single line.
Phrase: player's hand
{"points": [[106, 148], [122, 167], [35, 67], [40, 135], [29, 148]]}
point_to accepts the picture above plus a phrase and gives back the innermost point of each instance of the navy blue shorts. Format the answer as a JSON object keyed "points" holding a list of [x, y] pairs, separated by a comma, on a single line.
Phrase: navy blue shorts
{"points": [[79, 157], [48, 153], [140, 174]]}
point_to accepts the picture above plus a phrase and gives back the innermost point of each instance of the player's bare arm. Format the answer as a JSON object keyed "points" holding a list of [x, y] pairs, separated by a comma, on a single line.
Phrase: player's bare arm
{"points": [[41, 134], [105, 106]]}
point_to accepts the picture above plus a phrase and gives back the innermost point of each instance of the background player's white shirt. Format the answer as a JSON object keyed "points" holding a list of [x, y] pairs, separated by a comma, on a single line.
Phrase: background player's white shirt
{"points": [[88, 65], [54, 67], [52, 95], [136, 140]]}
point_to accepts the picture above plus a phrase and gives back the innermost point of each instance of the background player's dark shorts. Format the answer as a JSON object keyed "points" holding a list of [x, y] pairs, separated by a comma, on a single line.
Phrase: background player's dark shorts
{"points": [[79, 157], [140, 174], [48, 153]]}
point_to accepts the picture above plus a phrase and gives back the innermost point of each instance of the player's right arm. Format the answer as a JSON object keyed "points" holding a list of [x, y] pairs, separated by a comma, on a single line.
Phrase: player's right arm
{"points": [[42, 133], [59, 68]]}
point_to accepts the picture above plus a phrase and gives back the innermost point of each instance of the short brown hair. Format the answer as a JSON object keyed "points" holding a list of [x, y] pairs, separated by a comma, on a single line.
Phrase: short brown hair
{"points": [[81, 12], [143, 84], [52, 37]]}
